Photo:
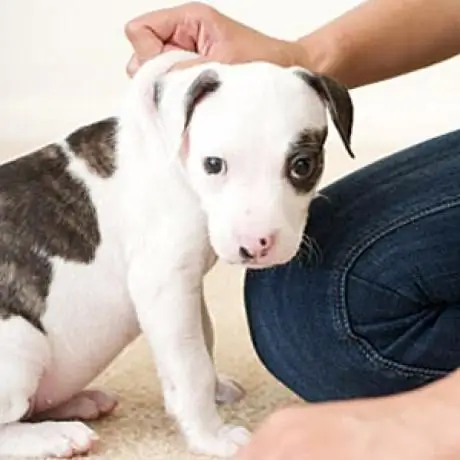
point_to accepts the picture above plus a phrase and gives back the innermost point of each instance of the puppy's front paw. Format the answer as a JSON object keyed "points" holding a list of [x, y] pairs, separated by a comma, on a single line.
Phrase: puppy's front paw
{"points": [[46, 439], [228, 391], [224, 444]]}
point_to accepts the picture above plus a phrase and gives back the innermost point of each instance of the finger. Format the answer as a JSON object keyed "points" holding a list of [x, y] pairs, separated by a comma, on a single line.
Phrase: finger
{"points": [[144, 40], [132, 66], [190, 63], [171, 47], [149, 32]]}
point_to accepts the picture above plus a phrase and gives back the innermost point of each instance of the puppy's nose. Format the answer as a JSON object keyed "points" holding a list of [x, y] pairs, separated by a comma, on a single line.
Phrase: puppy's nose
{"points": [[256, 248]]}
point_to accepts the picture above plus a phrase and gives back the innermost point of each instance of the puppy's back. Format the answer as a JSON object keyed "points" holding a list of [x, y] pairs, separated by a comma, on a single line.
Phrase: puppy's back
{"points": [[46, 211]]}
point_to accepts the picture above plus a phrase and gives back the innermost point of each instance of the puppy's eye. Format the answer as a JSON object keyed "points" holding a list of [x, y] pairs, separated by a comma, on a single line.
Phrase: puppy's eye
{"points": [[215, 165], [301, 168]]}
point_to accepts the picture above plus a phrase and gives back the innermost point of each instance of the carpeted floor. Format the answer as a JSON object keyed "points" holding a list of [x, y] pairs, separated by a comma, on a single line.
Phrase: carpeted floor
{"points": [[139, 428]]}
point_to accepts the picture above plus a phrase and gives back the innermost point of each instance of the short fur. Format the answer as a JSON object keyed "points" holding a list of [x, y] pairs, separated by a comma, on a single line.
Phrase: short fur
{"points": [[109, 233]]}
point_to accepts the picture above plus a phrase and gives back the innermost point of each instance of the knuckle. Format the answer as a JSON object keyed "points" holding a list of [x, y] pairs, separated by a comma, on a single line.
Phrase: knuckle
{"points": [[132, 28], [202, 9], [132, 66]]}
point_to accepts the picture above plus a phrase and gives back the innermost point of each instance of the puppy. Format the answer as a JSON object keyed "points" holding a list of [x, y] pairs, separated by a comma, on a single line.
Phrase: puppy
{"points": [[109, 233]]}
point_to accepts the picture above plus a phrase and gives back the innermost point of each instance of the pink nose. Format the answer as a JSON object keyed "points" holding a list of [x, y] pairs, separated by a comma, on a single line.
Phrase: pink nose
{"points": [[256, 248]]}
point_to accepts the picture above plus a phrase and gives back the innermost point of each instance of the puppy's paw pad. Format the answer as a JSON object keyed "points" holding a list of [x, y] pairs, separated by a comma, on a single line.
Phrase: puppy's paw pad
{"points": [[228, 391]]}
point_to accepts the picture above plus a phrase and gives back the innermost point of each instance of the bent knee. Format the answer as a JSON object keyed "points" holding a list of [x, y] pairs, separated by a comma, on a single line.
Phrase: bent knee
{"points": [[305, 340], [24, 355]]}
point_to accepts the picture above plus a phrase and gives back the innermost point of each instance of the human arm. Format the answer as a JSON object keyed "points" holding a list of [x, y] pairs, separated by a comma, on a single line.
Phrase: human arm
{"points": [[377, 40], [417, 425], [381, 39]]}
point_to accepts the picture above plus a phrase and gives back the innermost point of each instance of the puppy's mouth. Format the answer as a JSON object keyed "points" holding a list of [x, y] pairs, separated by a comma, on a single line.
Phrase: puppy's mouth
{"points": [[257, 263], [274, 249], [249, 263]]}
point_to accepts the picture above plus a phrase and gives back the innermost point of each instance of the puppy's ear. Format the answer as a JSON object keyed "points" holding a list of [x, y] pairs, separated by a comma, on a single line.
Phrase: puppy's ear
{"points": [[187, 92], [338, 101], [174, 95], [204, 85]]}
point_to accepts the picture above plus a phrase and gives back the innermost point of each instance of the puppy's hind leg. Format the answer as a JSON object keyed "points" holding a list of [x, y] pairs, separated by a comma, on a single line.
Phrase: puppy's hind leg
{"points": [[86, 405], [24, 356]]}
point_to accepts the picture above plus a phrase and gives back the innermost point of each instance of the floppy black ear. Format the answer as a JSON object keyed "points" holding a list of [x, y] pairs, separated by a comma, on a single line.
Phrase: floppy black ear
{"points": [[205, 84], [338, 101]]}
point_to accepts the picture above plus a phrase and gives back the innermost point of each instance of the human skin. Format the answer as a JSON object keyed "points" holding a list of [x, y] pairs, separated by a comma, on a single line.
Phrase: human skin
{"points": [[375, 41], [418, 425]]}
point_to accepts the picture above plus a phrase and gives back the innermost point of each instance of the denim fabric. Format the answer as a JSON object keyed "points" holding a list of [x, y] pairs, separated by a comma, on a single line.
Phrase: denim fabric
{"points": [[376, 309]]}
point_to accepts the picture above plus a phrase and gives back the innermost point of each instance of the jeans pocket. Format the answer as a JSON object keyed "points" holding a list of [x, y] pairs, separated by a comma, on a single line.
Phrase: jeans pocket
{"points": [[395, 331], [398, 334]]}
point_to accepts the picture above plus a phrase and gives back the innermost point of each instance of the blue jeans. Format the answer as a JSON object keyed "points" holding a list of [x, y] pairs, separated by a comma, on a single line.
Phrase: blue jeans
{"points": [[376, 310]]}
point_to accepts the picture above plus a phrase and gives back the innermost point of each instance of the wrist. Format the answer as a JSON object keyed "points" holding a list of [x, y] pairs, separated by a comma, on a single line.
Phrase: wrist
{"points": [[322, 53]]}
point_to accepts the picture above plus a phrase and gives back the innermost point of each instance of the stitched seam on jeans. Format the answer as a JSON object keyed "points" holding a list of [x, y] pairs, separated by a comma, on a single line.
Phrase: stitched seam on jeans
{"points": [[387, 289], [341, 315]]}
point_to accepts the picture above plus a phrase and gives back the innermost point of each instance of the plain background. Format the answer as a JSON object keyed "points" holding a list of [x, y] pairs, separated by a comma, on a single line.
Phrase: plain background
{"points": [[63, 64]]}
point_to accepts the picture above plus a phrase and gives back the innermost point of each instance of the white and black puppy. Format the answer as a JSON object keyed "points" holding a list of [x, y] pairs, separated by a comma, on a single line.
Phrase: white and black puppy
{"points": [[111, 231]]}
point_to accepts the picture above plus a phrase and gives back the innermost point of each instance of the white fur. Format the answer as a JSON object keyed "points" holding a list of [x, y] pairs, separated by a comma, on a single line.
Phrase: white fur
{"points": [[147, 276]]}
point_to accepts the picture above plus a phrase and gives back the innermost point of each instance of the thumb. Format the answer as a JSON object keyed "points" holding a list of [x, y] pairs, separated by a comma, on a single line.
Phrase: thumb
{"points": [[190, 63]]}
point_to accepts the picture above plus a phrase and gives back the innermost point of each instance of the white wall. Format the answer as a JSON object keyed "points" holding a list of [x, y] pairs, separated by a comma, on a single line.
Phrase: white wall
{"points": [[62, 63]]}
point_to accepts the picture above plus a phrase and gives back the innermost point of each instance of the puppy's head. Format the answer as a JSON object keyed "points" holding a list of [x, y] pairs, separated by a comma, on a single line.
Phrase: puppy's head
{"points": [[252, 139]]}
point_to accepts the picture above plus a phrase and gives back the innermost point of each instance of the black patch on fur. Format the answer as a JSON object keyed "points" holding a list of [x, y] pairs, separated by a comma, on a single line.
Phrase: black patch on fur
{"points": [[338, 101], [44, 212], [95, 144], [205, 84], [309, 145]]}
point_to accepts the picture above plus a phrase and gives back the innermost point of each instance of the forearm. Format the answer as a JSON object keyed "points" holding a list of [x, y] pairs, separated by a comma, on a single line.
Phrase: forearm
{"points": [[381, 39]]}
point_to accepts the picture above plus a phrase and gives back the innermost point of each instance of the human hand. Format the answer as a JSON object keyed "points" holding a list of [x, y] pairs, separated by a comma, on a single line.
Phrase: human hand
{"points": [[200, 28], [414, 426]]}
